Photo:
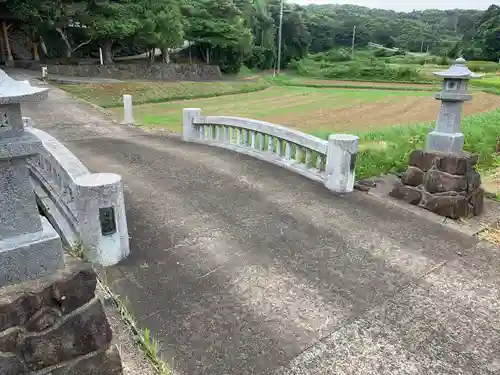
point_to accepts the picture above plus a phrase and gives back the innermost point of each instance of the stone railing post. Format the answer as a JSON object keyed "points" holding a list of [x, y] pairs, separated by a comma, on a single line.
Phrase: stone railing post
{"points": [[340, 162], [100, 210], [188, 129], [128, 114]]}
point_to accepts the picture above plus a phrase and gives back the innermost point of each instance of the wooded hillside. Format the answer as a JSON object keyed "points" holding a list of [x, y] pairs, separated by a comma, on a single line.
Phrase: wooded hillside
{"points": [[233, 32]]}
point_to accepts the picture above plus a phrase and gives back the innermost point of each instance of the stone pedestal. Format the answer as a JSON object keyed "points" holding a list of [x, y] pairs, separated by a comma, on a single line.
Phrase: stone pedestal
{"points": [[29, 246], [445, 183], [56, 325]]}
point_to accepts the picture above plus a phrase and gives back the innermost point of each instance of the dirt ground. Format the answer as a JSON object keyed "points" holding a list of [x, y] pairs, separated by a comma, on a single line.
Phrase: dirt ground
{"points": [[370, 116]]}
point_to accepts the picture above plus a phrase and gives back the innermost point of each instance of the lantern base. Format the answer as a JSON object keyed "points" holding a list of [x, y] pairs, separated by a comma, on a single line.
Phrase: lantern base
{"points": [[444, 183], [445, 142], [30, 256]]}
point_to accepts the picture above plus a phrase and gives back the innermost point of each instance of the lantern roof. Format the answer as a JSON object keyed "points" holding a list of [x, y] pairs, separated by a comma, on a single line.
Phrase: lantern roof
{"points": [[13, 91]]}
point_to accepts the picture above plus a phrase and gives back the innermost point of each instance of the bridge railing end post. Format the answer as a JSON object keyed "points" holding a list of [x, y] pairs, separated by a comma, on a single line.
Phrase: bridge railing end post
{"points": [[341, 162], [100, 207], [188, 128]]}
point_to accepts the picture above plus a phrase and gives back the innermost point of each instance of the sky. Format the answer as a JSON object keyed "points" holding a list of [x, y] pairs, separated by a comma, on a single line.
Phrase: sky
{"points": [[408, 5]]}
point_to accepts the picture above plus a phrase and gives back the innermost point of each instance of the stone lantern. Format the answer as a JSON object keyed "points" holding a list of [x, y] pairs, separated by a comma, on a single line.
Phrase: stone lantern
{"points": [[447, 136], [442, 178], [29, 246]]}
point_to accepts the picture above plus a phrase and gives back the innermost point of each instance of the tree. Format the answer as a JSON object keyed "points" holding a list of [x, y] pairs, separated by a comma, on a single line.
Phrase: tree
{"points": [[218, 30], [57, 15], [161, 26], [295, 37], [108, 21], [488, 33]]}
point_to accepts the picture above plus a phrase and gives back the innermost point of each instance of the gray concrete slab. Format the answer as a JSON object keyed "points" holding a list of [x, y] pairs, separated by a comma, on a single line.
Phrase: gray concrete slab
{"points": [[239, 267], [447, 323]]}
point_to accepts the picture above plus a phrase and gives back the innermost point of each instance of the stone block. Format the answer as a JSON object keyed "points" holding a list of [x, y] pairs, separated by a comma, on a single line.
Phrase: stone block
{"points": [[106, 363], [9, 340], [30, 256], [473, 180], [67, 289], [422, 159], [409, 194], [476, 201], [453, 206], [80, 334], [458, 163], [43, 319], [413, 176], [11, 364], [75, 289], [18, 311], [445, 142], [436, 181]]}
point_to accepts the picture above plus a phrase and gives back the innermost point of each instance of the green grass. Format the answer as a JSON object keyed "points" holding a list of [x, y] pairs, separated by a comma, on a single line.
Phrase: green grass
{"points": [[492, 83], [388, 150], [294, 80], [111, 95]]}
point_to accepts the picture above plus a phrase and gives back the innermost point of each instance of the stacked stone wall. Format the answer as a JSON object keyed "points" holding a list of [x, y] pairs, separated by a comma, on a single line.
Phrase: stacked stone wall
{"points": [[445, 183]]}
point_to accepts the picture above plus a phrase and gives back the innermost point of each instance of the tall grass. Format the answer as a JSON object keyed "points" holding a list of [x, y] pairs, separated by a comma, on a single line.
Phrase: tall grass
{"points": [[388, 150]]}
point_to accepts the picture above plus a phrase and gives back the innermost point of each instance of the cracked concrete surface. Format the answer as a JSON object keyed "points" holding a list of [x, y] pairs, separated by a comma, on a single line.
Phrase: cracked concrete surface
{"points": [[240, 267]]}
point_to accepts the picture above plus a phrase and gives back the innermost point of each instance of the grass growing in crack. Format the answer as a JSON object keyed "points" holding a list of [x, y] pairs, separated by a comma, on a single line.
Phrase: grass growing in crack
{"points": [[76, 250], [143, 337]]}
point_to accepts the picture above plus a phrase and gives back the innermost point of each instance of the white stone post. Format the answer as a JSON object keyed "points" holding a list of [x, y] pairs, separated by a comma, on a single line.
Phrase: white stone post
{"points": [[188, 129], [340, 162], [28, 123], [45, 73], [100, 209], [128, 117]]}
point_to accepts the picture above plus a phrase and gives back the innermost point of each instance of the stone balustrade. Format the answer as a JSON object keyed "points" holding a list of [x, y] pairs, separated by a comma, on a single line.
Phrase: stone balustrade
{"points": [[83, 206], [331, 162]]}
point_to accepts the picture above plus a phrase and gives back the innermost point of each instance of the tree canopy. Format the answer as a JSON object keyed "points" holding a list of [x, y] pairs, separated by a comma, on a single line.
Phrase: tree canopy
{"points": [[233, 32]]}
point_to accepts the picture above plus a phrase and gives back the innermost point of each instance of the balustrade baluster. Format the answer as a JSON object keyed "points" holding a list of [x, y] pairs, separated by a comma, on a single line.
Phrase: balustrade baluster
{"points": [[319, 162], [238, 137], [308, 158], [253, 139], [298, 154], [226, 134], [201, 130], [261, 142], [270, 144], [288, 151], [245, 137]]}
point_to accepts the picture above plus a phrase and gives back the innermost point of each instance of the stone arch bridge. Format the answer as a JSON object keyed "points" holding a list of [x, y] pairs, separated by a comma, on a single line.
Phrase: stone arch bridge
{"points": [[240, 266]]}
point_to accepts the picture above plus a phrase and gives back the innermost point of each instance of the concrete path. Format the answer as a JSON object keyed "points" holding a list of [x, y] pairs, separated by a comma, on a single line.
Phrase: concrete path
{"points": [[56, 78], [240, 267]]}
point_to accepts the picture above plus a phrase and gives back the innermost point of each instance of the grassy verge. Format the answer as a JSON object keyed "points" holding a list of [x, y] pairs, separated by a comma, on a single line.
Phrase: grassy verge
{"points": [[111, 95], [490, 85], [298, 80], [388, 150], [396, 86]]}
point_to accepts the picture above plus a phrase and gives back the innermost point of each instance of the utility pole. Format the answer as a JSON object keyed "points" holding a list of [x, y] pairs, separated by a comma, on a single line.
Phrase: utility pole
{"points": [[280, 33], [353, 38]]}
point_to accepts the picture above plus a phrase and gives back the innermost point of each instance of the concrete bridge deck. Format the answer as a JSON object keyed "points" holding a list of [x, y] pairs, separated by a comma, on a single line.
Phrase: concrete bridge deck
{"points": [[240, 267]]}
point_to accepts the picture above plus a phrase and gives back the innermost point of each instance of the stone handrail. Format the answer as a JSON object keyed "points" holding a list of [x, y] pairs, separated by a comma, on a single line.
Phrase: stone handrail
{"points": [[83, 206], [330, 162]]}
